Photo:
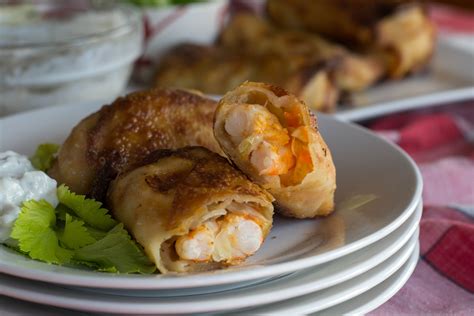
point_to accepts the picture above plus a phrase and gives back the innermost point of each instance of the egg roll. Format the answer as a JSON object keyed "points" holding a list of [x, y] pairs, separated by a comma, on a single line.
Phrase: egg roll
{"points": [[397, 32], [272, 137], [204, 68], [350, 72], [119, 135], [191, 210], [184, 65]]}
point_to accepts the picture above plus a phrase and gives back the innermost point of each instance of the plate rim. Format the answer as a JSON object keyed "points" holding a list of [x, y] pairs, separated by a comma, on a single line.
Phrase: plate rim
{"points": [[281, 293], [461, 93], [389, 287], [304, 309], [75, 303]]}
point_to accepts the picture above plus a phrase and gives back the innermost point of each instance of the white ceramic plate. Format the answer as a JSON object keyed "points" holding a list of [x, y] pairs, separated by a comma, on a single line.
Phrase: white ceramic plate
{"points": [[373, 298], [448, 79], [342, 292], [366, 164], [301, 282], [44, 293]]}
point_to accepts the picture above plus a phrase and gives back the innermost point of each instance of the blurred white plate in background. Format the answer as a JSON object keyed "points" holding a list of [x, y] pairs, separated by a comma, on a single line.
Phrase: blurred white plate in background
{"points": [[449, 78]]}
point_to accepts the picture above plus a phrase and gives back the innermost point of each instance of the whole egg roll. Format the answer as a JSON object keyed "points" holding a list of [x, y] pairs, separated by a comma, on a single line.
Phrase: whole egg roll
{"points": [[205, 68], [184, 65], [300, 50], [399, 32], [271, 136], [191, 210], [121, 134]]}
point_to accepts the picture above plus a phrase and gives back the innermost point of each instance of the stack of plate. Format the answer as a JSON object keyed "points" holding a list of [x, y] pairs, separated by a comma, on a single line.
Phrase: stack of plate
{"points": [[351, 261]]}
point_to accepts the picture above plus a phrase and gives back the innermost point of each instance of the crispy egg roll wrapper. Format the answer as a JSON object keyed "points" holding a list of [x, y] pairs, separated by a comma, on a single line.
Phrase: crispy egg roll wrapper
{"points": [[399, 32], [204, 68], [178, 191], [119, 135], [349, 71], [311, 196], [184, 65], [405, 41]]}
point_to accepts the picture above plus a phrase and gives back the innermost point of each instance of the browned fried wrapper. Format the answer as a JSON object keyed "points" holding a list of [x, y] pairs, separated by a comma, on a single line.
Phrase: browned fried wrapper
{"points": [[216, 70], [304, 190], [398, 31], [178, 191], [301, 50], [121, 134]]}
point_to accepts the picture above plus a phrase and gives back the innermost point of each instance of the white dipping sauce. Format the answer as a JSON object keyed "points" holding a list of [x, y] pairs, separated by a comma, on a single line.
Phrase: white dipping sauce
{"points": [[20, 182], [47, 60]]}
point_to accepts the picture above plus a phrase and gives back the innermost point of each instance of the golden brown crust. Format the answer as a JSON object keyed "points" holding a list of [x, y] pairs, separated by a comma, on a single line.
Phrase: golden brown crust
{"points": [[405, 40], [72, 167], [303, 51], [205, 68], [170, 196], [225, 69], [314, 195], [399, 31], [351, 22], [129, 129], [210, 175]]}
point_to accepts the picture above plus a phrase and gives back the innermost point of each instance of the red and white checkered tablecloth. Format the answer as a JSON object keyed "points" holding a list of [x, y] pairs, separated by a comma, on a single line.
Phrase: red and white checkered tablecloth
{"points": [[441, 141]]}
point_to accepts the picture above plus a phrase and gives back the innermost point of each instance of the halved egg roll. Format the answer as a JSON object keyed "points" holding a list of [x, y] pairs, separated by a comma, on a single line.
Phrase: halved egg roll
{"points": [[121, 134], [271, 136], [191, 210]]}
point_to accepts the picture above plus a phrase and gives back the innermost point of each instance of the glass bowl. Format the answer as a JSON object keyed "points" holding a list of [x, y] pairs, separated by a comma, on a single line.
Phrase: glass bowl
{"points": [[55, 52]]}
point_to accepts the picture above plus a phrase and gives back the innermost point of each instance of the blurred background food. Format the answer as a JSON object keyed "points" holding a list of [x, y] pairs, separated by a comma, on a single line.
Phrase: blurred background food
{"points": [[329, 53], [399, 32], [60, 52], [320, 50]]}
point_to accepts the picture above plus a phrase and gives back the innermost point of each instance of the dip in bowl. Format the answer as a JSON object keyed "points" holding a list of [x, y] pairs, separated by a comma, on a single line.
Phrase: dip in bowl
{"points": [[55, 52]]}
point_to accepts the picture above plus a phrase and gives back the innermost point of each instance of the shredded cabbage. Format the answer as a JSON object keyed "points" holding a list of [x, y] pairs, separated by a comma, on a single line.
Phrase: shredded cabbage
{"points": [[249, 144]]}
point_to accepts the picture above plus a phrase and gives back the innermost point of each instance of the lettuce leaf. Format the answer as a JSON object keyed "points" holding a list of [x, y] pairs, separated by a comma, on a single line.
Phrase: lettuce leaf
{"points": [[116, 252], [88, 210], [44, 156], [34, 230]]}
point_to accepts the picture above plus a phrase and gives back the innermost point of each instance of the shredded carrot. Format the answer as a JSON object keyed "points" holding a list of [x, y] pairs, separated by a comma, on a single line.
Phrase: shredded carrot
{"points": [[292, 119]]}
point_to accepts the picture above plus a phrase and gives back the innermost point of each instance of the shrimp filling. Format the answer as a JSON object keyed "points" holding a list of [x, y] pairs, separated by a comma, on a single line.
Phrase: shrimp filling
{"points": [[231, 237], [275, 147]]}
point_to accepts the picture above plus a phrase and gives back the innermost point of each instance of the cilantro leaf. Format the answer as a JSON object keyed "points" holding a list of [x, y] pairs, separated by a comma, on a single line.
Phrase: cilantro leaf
{"points": [[44, 156], [75, 235], [116, 252], [95, 233], [78, 231], [34, 230], [89, 210]]}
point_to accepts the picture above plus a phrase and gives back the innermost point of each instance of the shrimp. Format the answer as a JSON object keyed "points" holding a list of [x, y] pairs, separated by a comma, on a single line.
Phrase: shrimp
{"points": [[271, 160], [266, 140], [229, 238]]}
